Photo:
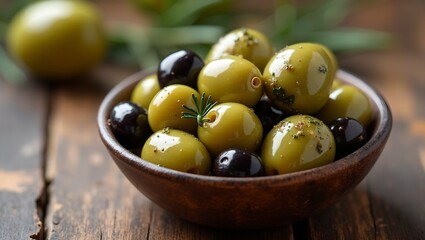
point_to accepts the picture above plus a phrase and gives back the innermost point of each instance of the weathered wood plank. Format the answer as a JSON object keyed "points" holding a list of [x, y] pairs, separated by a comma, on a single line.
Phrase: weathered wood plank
{"points": [[350, 218], [166, 226], [22, 119], [390, 203], [397, 188], [392, 197], [392, 200], [89, 197], [397, 181]]}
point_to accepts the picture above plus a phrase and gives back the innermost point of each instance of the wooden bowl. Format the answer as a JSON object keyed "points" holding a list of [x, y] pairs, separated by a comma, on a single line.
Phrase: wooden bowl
{"points": [[260, 202]]}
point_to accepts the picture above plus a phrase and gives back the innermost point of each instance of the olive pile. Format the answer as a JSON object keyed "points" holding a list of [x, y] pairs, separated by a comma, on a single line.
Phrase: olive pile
{"points": [[244, 110]]}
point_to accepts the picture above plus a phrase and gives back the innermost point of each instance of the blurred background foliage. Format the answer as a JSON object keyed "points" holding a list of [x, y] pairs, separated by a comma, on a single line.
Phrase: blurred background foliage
{"points": [[196, 25]]}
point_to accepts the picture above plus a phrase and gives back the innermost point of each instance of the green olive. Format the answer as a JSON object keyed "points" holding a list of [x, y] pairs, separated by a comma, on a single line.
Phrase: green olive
{"points": [[231, 79], [177, 150], [331, 56], [165, 109], [231, 125], [336, 84], [145, 90], [297, 143], [347, 101], [298, 78], [248, 43], [57, 39]]}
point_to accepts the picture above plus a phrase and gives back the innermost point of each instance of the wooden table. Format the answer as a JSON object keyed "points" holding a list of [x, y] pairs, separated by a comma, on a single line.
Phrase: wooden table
{"points": [[55, 173]]}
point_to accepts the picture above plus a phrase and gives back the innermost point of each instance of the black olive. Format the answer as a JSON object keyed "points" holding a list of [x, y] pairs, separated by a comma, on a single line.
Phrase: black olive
{"points": [[129, 124], [181, 67], [268, 114], [349, 135], [238, 163]]}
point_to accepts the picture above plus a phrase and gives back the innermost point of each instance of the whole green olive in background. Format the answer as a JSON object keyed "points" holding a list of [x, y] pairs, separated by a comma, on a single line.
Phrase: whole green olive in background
{"points": [[177, 150], [231, 125], [231, 79], [297, 143], [165, 109], [347, 101], [248, 43], [57, 39], [145, 90], [299, 77]]}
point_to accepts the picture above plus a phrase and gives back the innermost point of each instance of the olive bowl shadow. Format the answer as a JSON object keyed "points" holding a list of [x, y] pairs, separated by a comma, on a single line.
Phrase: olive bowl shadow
{"points": [[253, 202]]}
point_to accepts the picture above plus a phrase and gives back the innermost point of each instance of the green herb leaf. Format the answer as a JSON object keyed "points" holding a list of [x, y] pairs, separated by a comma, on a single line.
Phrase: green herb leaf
{"points": [[353, 39], [9, 70], [186, 12]]}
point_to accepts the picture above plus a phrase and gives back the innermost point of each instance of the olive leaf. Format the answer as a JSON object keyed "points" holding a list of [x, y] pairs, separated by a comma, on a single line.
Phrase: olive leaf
{"points": [[9, 70], [353, 39], [188, 12], [196, 25], [147, 45], [8, 9], [319, 22]]}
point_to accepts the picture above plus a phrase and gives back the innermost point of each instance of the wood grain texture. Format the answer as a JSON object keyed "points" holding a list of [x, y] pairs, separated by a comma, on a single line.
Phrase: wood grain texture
{"points": [[166, 226], [350, 218], [22, 122], [89, 197], [393, 196]]}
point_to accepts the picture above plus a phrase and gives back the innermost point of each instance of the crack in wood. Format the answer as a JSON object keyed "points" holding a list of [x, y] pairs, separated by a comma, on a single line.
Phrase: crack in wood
{"points": [[41, 204], [43, 200], [150, 223]]}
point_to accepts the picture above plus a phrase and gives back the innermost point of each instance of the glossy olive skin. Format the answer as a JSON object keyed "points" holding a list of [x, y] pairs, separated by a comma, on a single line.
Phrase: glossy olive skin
{"points": [[245, 42], [232, 125], [299, 77], [178, 150], [57, 39], [129, 124], [181, 67], [332, 56], [165, 109], [297, 143], [349, 135], [268, 114], [347, 101], [145, 90], [231, 79], [238, 163], [336, 84]]}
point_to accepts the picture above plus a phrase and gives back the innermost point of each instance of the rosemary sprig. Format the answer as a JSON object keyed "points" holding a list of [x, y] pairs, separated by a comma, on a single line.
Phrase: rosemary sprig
{"points": [[203, 107]]}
